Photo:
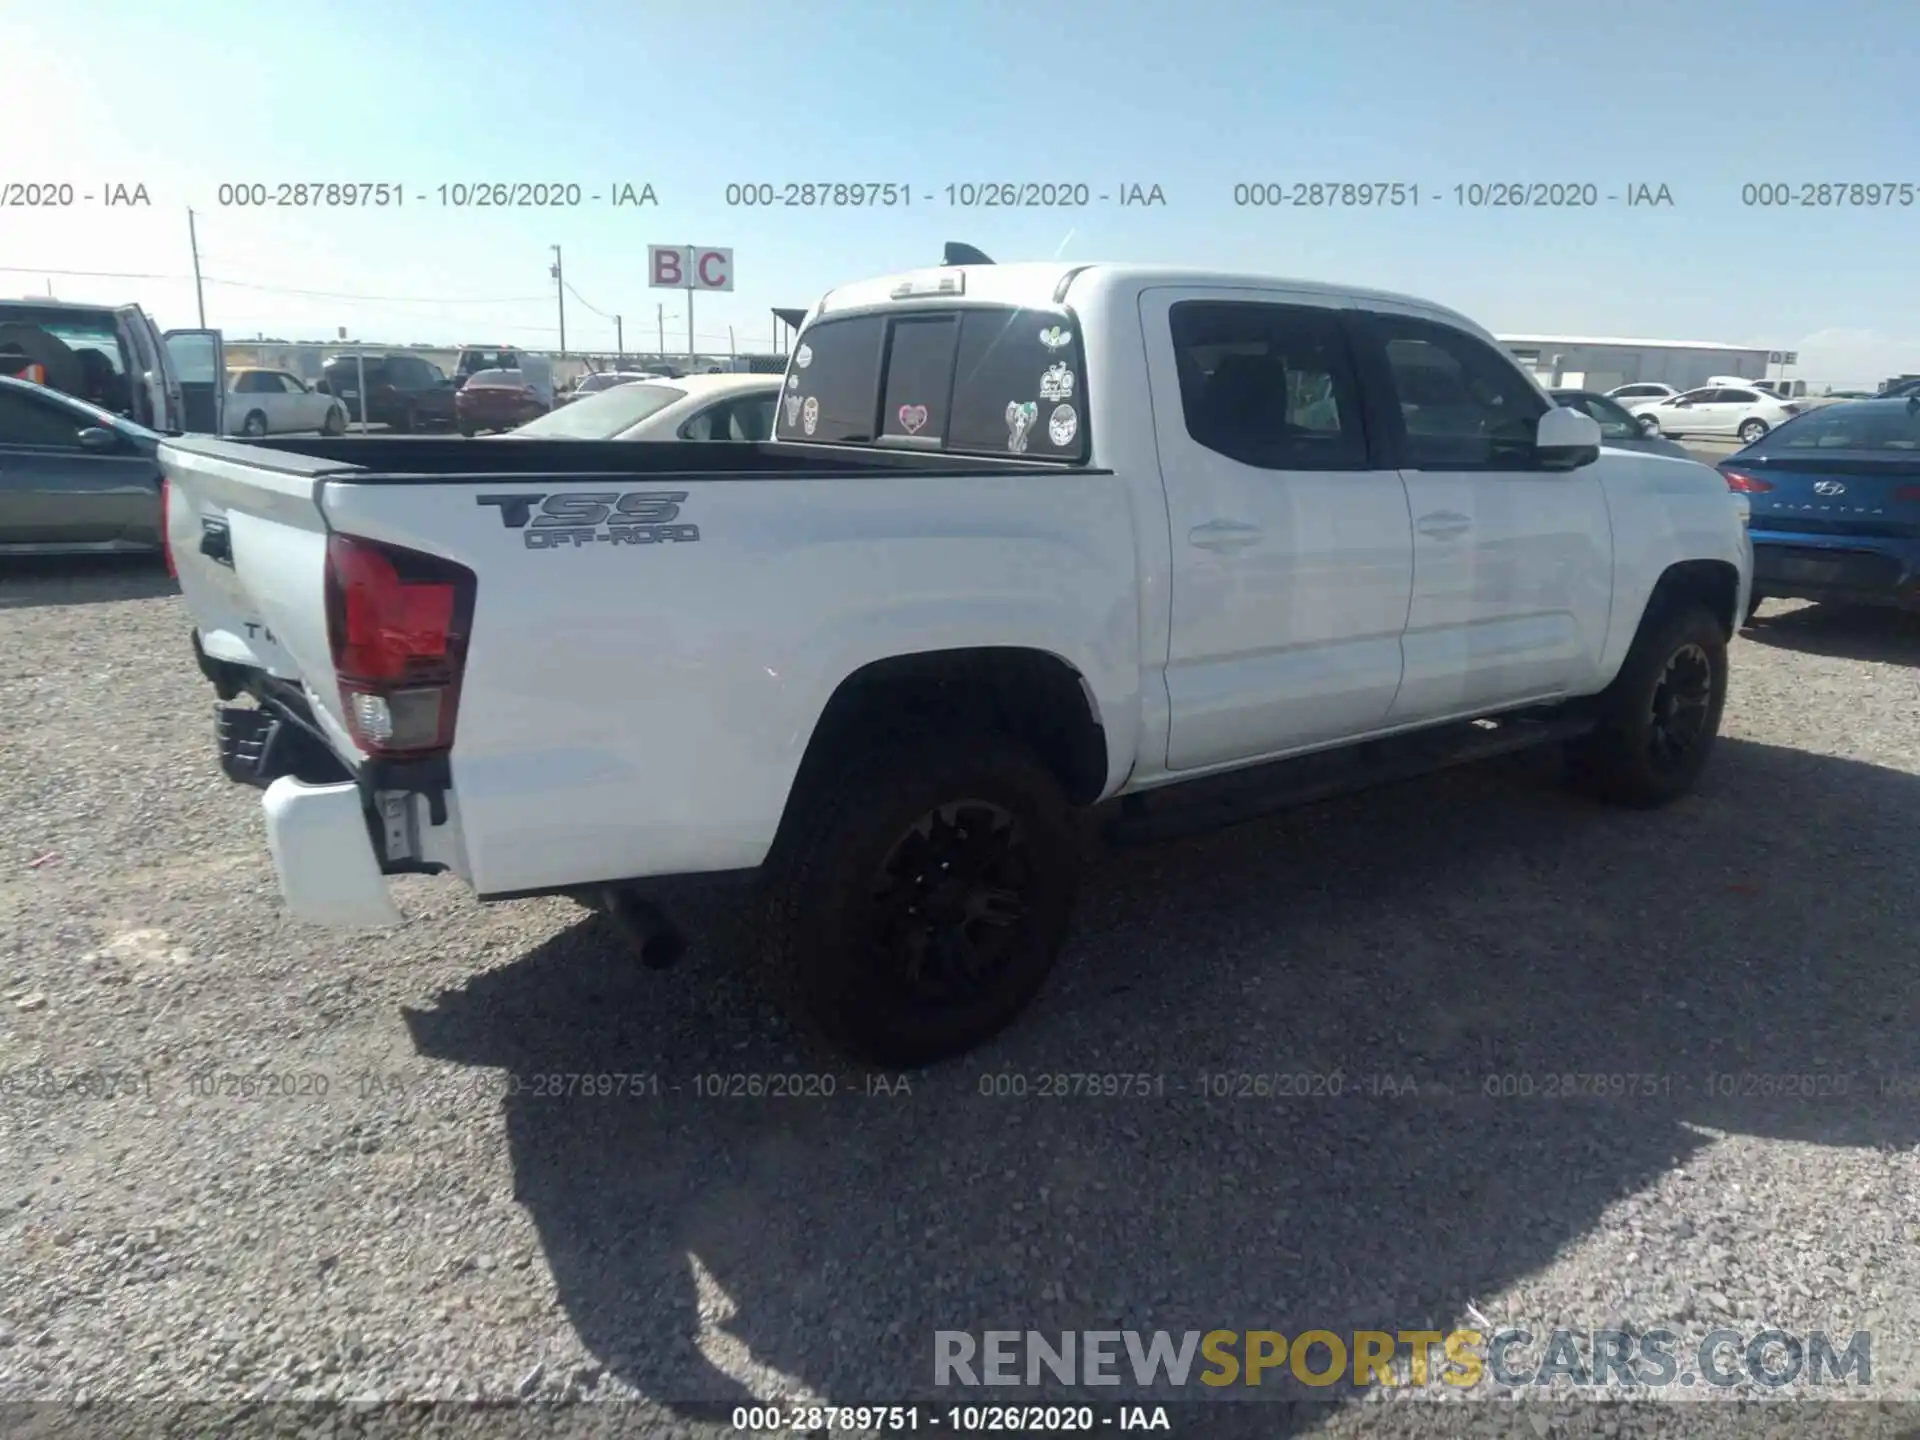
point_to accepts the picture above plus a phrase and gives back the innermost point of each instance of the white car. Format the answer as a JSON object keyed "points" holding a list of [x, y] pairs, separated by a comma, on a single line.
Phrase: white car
{"points": [[1027, 539], [695, 407], [1717, 410], [274, 402], [1640, 394]]}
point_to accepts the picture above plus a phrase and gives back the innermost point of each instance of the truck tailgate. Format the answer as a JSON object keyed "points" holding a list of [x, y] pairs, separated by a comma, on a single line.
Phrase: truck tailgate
{"points": [[249, 543]]}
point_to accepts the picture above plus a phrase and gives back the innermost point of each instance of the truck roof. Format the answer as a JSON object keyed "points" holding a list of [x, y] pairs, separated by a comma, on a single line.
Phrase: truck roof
{"points": [[1035, 284]]}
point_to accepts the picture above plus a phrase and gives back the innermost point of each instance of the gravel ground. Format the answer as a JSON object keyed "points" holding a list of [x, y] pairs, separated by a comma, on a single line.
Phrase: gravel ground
{"points": [[433, 1226]]}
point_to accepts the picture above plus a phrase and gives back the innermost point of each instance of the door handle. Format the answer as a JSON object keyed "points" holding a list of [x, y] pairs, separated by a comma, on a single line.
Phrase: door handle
{"points": [[1444, 524], [1224, 535]]}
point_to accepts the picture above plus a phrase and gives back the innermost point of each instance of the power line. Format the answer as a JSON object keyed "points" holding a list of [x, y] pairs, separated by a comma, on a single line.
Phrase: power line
{"points": [[89, 274], [604, 315], [383, 299]]}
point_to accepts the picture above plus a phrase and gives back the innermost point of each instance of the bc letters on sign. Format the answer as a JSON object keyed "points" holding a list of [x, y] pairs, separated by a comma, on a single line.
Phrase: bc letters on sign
{"points": [[689, 267]]}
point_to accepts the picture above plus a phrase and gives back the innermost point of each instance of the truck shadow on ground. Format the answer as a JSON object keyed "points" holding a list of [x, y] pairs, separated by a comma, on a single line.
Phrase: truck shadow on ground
{"points": [[1444, 934], [1876, 634], [30, 581]]}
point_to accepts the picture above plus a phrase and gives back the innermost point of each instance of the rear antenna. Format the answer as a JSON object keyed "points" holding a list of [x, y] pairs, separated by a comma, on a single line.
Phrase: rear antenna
{"points": [[958, 254], [1913, 402]]}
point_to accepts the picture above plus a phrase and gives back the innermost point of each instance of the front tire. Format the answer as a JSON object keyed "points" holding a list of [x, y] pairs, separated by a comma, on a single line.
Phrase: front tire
{"points": [[1751, 431], [919, 895], [1659, 718], [336, 422], [1649, 425]]}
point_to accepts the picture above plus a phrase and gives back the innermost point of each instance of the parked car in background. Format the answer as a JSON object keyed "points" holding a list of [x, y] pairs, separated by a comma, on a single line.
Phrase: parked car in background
{"points": [[1782, 389], [537, 369], [1718, 410], [605, 380], [274, 402], [1641, 393], [1617, 427], [1833, 503], [404, 392], [74, 477], [698, 407], [497, 400], [115, 357], [1899, 389]]}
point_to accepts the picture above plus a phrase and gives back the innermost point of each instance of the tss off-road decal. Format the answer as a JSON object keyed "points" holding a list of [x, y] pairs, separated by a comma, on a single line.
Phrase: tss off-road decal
{"points": [[575, 518]]}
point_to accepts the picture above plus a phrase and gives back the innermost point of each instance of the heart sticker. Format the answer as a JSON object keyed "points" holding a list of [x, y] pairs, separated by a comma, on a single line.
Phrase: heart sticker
{"points": [[912, 417]]}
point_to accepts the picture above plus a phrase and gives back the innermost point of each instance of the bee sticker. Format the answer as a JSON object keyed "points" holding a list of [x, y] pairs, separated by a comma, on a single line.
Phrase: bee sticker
{"points": [[1062, 426], [912, 417], [793, 411], [804, 357], [1020, 417], [810, 415], [1057, 383], [1055, 338]]}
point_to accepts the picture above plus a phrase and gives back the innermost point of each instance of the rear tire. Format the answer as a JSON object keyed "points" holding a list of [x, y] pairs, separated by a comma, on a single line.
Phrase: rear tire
{"points": [[468, 431], [409, 421], [1752, 431], [919, 894], [254, 427], [1659, 718], [1754, 601], [336, 422]]}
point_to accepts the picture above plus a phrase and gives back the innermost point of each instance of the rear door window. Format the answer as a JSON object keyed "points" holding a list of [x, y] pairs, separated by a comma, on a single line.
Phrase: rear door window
{"points": [[982, 380]]}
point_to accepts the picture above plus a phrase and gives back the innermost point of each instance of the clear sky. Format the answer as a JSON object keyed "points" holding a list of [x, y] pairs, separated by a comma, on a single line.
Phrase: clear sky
{"points": [[1702, 96]]}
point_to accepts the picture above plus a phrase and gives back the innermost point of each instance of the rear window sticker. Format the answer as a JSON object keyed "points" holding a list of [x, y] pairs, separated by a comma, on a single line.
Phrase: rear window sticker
{"points": [[793, 382], [1020, 418], [1055, 338], [810, 415], [1062, 426], [793, 410], [1057, 383], [804, 357], [912, 417]]}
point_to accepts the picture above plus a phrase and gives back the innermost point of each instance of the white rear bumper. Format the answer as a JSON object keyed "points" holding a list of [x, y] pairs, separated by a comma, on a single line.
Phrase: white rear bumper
{"points": [[324, 856]]}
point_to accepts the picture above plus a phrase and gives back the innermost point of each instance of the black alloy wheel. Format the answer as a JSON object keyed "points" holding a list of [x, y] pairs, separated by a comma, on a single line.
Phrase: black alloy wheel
{"points": [[1682, 700], [948, 903]]}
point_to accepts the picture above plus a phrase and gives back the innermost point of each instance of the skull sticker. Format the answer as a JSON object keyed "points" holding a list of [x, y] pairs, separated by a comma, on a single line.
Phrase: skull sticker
{"points": [[810, 415]]}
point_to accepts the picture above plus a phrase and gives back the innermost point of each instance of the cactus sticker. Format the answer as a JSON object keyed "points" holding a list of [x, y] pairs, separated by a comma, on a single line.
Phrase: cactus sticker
{"points": [[793, 410]]}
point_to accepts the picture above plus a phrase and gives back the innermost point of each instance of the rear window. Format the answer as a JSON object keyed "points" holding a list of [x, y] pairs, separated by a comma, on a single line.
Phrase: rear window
{"points": [[472, 362], [1846, 427], [482, 379], [977, 381]]}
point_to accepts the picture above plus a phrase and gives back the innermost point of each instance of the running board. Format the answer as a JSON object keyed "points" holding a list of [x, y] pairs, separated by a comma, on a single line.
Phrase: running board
{"points": [[1228, 799]]}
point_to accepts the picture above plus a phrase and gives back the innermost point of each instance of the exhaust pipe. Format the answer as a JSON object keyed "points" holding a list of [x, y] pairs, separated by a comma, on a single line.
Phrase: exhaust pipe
{"points": [[645, 926]]}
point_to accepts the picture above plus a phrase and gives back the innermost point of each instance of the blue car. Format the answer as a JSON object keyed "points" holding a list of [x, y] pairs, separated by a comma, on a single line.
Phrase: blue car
{"points": [[1835, 505]]}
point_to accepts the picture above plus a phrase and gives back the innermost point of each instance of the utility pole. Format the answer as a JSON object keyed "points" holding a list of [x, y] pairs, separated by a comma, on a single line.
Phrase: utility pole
{"points": [[560, 293], [620, 340], [193, 240], [733, 352], [660, 322]]}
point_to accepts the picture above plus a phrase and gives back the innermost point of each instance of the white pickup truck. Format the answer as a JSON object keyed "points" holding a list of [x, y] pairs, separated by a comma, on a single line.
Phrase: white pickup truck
{"points": [[1031, 543]]}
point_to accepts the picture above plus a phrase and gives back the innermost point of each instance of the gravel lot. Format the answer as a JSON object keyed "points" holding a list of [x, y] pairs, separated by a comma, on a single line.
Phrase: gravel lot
{"points": [[432, 1227]]}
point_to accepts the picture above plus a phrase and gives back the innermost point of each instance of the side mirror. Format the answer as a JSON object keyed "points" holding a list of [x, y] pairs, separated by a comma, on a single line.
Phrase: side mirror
{"points": [[1567, 439], [98, 437]]}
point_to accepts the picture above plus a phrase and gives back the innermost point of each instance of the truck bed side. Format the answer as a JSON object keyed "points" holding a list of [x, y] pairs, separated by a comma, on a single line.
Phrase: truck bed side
{"points": [[632, 709]]}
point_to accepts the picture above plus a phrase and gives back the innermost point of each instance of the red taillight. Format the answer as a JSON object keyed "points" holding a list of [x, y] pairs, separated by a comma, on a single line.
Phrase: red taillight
{"points": [[1744, 483], [166, 535], [1907, 492], [398, 623]]}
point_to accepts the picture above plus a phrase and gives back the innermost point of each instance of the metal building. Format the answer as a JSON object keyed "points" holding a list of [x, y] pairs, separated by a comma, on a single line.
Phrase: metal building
{"points": [[1579, 362]]}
